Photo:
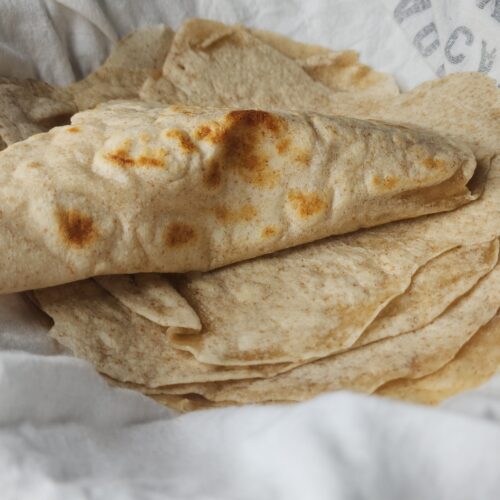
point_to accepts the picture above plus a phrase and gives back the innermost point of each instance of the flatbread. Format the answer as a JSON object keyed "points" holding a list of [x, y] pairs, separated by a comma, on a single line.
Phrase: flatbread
{"points": [[411, 355], [475, 363], [328, 292], [219, 343], [124, 345], [30, 107], [133, 187], [299, 304], [213, 64], [132, 60], [434, 287]]}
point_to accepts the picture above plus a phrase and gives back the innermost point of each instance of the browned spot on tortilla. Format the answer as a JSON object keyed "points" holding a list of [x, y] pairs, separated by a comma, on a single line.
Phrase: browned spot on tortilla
{"points": [[212, 176], [255, 118], [241, 143], [121, 156], [202, 132], [145, 138], [179, 233], [74, 130], [388, 182], [76, 228], [34, 164], [269, 231], [306, 204], [183, 139], [211, 132], [153, 159], [228, 216], [150, 157], [303, 157], [433, 163], [283, 145]]}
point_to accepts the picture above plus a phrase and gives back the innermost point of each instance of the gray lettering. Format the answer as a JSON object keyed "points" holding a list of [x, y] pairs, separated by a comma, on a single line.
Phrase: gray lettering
{"points": [[469, 38], [496, 9], [487, 58], [441, 71], [426, 50], [406, 8]]}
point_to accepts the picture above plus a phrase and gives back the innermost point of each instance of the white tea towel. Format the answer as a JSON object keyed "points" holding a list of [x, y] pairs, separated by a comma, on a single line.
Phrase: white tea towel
{"points": [[64, 434]]}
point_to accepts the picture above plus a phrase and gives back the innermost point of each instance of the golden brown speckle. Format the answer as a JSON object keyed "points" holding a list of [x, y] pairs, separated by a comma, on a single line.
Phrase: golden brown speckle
{"points": [[76, 228], [73, 130], [121, 156], [241, 140], [306, 204], [255, 118], [150, 157], [183, 139], [228, 216], [202, 132], [269, 231], [388, 182], [283, 145], [433, 163], [303, 157], [179, 233]]}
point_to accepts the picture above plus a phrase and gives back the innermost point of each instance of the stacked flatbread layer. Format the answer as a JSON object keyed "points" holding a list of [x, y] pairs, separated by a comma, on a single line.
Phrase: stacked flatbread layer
{"points": [[408, 309]]}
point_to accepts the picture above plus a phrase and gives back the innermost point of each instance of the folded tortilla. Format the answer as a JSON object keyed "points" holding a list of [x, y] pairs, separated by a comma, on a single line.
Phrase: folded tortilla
{"points": [[132, 187], [124, 345], [411, 355]]}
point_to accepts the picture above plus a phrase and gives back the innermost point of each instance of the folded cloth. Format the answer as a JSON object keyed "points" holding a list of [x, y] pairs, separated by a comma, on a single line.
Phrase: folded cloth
{"points": [[65, 434]]}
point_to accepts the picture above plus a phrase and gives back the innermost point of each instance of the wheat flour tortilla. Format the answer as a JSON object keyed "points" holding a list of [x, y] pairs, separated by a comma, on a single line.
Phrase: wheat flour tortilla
{"points": [[476, 362], [142, 54], [213, 64], [30, 107], [124, 345], [131, 61], [133, 187], [364, 369], [219, 344], [475, 94], [433, 288], [265, 309], [298, 304]]}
